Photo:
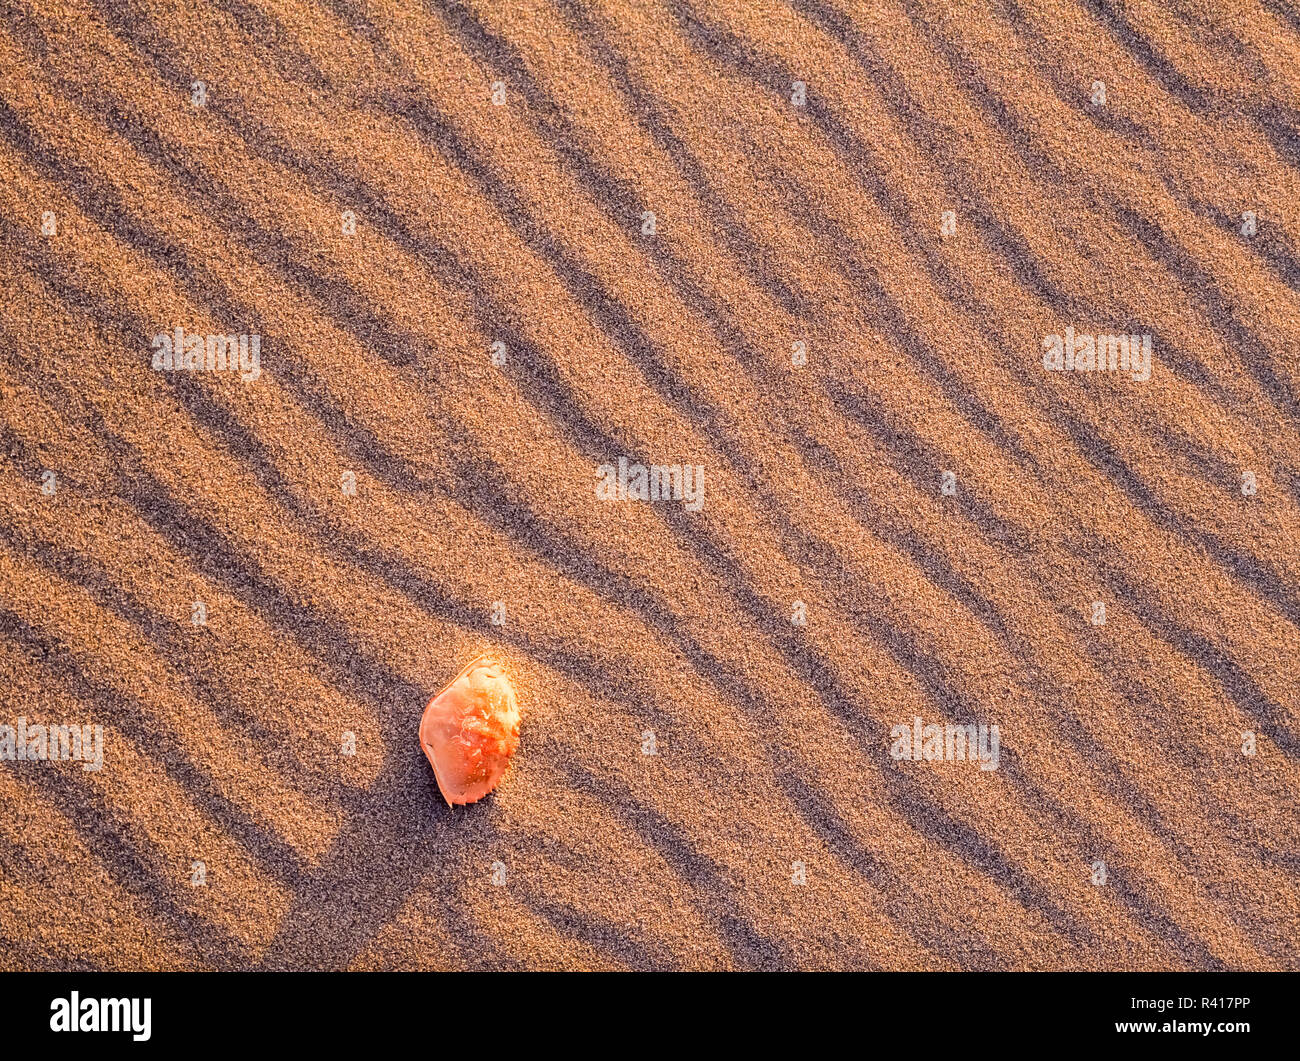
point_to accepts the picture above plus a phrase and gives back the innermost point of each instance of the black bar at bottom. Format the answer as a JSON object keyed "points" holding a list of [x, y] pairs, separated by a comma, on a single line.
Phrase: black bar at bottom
{"points": [[489, 1013]]}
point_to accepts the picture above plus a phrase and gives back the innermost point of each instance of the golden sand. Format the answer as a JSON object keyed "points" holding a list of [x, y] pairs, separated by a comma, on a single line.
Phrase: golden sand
{"points": [[903, 515]]}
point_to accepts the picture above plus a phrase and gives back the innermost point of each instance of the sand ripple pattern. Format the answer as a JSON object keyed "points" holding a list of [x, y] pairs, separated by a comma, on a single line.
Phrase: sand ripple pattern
{"points": [[812, 247]]}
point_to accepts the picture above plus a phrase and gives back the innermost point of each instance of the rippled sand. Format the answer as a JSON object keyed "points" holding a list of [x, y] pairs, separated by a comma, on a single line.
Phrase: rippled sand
{"points": [[349, 192]]}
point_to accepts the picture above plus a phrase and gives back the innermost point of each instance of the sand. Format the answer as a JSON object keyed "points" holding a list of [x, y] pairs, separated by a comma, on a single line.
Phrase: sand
{"points": [[436, 221]]}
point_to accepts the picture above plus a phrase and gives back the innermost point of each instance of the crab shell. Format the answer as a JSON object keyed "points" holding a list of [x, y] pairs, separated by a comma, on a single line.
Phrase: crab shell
{"points": [[470, 730]]}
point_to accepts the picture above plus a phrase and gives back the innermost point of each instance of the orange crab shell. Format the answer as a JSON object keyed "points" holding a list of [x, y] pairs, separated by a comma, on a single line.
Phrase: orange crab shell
{"points": [[470, 730]]}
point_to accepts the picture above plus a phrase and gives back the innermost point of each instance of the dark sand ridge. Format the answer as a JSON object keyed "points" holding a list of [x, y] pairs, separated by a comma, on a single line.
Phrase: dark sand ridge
{"points": [[729, 520]]}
